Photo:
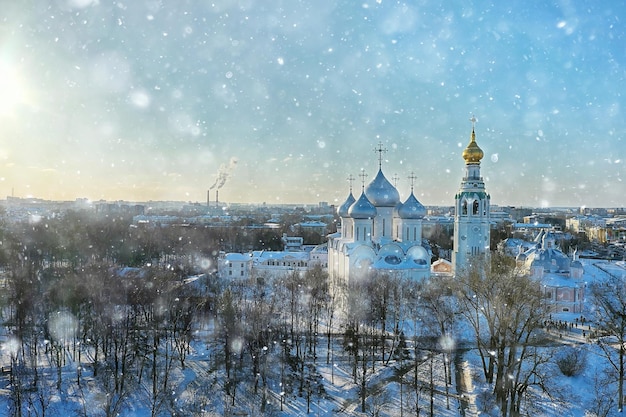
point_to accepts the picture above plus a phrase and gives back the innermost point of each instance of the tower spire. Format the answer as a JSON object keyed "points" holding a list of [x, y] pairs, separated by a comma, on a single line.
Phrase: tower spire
{"points": [[473, 154]]}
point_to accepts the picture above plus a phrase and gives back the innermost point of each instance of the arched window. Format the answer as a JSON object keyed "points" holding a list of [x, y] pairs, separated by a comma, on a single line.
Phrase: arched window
{"points": [[475, 207], [464, 211]]}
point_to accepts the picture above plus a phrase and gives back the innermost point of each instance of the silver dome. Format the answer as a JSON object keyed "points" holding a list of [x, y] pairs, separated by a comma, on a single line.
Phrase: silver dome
{"points": [[381, 193], [362, 209]]}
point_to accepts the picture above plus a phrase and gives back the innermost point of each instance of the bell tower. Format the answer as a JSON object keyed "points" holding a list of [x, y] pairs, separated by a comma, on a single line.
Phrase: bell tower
{"points": [[471, 215]]}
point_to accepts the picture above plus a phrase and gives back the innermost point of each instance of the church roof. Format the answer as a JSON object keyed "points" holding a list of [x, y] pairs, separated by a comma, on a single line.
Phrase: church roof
{"points": [[381, 193], [342, 211], [550, 259], [362, 208], [473, 154], [411, 209], [559, 281], [237, 257]]}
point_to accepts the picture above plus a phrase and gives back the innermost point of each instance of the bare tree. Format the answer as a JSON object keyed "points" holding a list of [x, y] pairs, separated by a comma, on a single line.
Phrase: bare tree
{"points": [[378, 403], [384, 293], [360, 335], [317, 298], [111, 402], [40, 399], [257, 315], [602, 403], [609, 298], [506, 312], [572, 361], [230, 333], [437, 311]]}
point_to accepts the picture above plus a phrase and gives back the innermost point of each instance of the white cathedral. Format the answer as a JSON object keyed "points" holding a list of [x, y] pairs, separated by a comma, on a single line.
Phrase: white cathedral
{"points": [[380, 233]]}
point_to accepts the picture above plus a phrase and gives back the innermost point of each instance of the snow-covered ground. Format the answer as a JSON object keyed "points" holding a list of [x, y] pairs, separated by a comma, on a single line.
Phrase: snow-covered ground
{"points": [[199, 390]]}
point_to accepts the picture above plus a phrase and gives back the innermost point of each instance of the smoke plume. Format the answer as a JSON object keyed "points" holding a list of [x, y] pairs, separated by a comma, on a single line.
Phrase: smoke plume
{"points": [[224, 173]]}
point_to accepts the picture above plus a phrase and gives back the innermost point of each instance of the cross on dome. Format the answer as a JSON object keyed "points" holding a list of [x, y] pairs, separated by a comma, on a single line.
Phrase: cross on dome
{"points": [[350, 181], [395, 180], [363, 175], [473, 154], [380, 151], [412, 177], [473, 120]]}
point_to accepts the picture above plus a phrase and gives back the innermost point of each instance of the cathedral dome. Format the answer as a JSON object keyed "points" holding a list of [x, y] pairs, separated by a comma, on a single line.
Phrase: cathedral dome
{"points": [[411, 209], [473, 154], [362, 209], [381, 193], [342, 211]]}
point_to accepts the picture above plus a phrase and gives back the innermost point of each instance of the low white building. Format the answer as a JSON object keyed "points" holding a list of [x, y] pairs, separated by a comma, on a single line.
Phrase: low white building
{"points": [[319, 256], [273, 264], [234, 266], [270, 264], [560, 275], [292, 243]]}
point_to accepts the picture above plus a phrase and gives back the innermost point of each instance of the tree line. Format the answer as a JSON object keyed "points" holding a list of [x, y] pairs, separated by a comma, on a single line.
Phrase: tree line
{"points": [[76, 238]]}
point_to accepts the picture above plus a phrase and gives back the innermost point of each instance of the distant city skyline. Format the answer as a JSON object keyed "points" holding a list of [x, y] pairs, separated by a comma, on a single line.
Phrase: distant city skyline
{"points": [[281, 102]]}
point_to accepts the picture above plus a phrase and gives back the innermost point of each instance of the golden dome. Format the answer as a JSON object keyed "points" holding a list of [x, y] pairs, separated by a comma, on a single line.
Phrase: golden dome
{"points": [[473, 154]]}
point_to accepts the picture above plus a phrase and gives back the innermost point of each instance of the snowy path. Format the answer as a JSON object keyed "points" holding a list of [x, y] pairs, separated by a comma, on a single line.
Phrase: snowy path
{"points": [[465, 387]]}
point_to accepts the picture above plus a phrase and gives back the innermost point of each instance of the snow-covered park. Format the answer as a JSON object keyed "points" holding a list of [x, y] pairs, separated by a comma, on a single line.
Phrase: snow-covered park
{"points": [[277, 350]]}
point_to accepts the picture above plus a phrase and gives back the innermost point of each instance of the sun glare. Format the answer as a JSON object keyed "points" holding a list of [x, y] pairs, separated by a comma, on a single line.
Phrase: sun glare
{"points": [[11, 90]]}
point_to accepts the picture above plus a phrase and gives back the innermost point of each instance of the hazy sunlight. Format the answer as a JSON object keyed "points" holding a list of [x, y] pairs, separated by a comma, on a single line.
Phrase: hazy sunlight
{"points": [[11, 89]]}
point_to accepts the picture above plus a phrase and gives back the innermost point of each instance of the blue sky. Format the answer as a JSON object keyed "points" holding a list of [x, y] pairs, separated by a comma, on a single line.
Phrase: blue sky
{"points": [[281, 101]]}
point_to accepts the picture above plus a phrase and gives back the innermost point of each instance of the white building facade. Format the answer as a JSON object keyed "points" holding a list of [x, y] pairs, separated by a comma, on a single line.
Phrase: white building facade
{"points": [[270, 264]]}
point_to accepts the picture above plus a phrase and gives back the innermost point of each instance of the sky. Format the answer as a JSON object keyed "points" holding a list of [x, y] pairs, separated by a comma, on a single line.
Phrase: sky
{"points": [[281, 101]]}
